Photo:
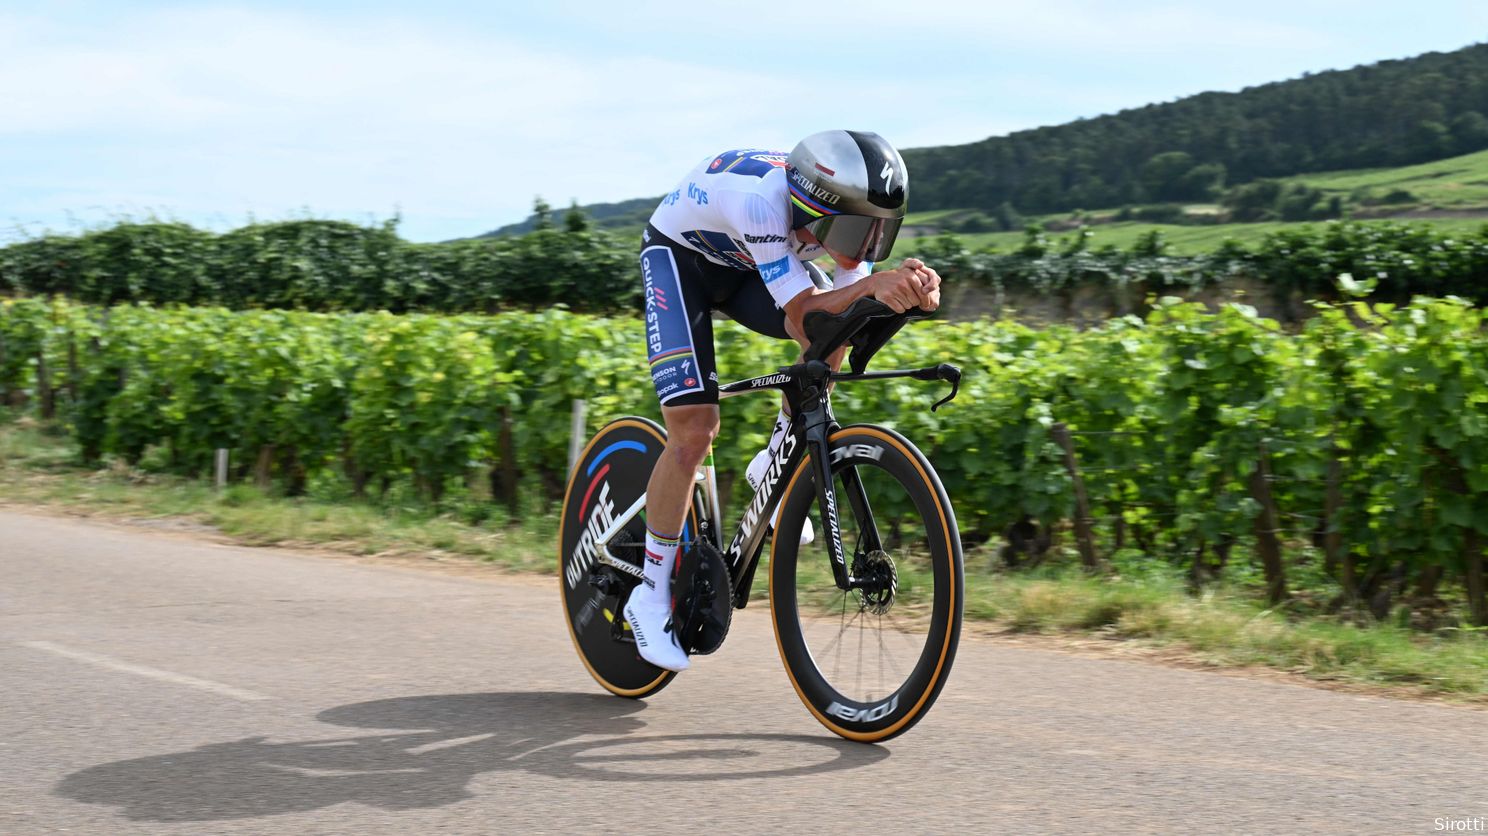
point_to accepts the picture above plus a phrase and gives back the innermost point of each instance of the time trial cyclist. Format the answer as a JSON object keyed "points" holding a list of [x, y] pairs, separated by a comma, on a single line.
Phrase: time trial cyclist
{"points": [[738, 235]]}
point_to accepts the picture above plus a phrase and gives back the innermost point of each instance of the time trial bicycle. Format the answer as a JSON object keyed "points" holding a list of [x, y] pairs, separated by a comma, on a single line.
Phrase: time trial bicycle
{"points": [[866, 619]]}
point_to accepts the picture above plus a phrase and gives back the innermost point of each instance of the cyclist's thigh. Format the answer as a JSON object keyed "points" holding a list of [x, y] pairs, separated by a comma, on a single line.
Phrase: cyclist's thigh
{"points": [[679, 334], [752, 306]]}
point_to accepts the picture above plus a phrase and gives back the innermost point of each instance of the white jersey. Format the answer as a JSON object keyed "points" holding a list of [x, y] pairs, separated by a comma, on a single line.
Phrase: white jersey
{"points": [[734, 209]]}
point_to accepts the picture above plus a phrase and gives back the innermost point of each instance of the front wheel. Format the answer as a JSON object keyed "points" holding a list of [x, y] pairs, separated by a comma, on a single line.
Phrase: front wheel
{"points": [[869, 662]]}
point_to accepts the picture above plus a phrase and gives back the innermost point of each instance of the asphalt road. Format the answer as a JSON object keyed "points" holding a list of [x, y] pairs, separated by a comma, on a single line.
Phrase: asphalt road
{"points": [[151, 683]]}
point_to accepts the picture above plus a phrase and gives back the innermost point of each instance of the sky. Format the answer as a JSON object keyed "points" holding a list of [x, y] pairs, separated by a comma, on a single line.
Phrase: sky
{"points": [[454, 116]]}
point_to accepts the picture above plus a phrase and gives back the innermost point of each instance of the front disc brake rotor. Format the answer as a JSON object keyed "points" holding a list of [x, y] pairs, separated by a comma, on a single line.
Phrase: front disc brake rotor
{"points": [[880, 582]]}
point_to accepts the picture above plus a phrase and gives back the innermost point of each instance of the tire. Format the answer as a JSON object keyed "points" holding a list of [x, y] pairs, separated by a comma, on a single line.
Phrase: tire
{"points": [[610, 476], [869, 665]]}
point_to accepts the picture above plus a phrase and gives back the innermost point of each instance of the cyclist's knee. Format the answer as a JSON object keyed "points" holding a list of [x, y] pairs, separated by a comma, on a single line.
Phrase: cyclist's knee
{"points": [[690, 431]]}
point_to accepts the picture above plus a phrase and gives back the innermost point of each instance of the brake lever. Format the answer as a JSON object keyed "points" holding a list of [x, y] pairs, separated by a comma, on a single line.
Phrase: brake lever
{"points": [[947, 372], [944, 371]]}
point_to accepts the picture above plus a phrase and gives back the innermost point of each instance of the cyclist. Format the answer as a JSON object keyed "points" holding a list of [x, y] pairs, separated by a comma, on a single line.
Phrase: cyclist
{"points": [[738, 235]]}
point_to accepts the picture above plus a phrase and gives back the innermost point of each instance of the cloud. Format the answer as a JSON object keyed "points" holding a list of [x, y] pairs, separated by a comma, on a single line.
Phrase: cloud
{"points": [[459, 115], [891, 33], [232, 110]]}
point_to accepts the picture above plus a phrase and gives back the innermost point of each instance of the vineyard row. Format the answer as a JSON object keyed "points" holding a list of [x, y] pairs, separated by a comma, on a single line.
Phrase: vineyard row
{"points": [[1368, 426]]}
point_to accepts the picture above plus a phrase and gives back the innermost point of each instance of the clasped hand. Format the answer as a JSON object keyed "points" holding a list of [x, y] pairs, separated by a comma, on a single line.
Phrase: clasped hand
{"points": [[910, 285]]}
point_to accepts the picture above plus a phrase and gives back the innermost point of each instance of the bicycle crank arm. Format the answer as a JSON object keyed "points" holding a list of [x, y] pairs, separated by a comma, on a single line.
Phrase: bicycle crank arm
{"points": [[614, 562]]}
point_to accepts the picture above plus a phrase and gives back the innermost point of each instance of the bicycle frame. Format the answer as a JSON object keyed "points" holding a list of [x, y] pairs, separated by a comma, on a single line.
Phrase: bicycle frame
{"points": [[805, 387]]}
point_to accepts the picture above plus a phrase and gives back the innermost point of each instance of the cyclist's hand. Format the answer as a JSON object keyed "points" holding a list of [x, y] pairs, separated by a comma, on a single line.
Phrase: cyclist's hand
{"points": [[910, 285], [929, 290], [899, 288]]}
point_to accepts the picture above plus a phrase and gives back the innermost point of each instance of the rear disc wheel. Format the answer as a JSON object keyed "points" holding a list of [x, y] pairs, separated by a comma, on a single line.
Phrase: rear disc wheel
{"points": [[608, 480]]}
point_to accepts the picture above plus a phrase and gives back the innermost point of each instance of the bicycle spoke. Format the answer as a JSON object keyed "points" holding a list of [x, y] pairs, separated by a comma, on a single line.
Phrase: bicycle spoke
{"points": [[842, 628], [888, 634], [860, 657], [888, 642], [897, 672]]}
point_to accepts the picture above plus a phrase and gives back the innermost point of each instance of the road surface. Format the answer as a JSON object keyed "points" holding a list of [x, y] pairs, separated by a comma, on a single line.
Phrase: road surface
{"points": [[154, 683]]}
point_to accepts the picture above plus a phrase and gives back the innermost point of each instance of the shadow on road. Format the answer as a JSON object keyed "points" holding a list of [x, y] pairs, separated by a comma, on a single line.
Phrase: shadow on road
{"points": [[442, 743]]}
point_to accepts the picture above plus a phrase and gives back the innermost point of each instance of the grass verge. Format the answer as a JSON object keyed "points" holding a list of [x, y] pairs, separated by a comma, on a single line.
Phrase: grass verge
{"points": [[1227, 628], [1222, 628], [38, 467]]}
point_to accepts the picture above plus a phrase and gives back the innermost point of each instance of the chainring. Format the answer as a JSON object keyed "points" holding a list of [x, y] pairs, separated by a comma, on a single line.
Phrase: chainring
{"points": [[704, 607]]}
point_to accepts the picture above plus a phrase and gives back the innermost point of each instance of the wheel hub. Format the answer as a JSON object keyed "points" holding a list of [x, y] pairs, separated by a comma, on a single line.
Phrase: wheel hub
{"points": [[879, 582]]}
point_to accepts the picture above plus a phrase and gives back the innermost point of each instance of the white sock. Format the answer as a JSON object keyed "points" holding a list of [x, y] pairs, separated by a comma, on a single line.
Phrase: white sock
{"points": [[782, 423], [661, 556]]}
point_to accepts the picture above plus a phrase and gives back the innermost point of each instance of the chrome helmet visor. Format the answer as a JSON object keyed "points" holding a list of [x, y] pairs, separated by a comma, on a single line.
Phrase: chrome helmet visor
{"points": [[858, 237]]}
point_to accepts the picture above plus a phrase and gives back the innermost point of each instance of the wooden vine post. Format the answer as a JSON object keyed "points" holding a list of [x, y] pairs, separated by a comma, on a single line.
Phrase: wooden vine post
{"points": [[1268, 544], [1333, 548], [1084, 536]]}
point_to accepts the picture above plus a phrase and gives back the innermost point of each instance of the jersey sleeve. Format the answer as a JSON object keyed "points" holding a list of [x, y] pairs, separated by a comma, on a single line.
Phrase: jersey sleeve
{"points": [[846, 278], [766, 233]]}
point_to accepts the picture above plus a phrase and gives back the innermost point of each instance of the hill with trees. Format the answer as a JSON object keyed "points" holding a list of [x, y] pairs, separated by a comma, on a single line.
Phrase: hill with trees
{"points": [[1212, 147]]}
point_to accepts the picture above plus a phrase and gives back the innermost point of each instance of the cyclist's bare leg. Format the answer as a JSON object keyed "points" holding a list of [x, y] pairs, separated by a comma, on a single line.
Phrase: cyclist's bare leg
{"points": [[690, 431]]}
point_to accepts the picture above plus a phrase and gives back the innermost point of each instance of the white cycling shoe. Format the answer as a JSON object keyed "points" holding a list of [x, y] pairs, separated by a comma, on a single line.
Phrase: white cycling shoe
{"points": [[755, 473], [654, 638]]}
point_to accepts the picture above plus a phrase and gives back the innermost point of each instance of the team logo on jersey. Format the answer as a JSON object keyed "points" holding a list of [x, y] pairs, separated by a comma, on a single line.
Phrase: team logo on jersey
{"points": [[720, 248], [775, 269], [750, 162]]}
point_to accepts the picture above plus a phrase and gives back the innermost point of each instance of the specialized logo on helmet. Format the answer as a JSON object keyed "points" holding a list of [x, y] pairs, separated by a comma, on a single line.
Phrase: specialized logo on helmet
{"points": [[808, 197], [812, 190]]}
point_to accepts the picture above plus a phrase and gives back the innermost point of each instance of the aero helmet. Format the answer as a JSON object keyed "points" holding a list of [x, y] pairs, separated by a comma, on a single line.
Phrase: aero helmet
{"points": [[849, 189]]}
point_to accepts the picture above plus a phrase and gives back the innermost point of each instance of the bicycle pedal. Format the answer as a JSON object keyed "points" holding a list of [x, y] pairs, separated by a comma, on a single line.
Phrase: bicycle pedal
{"points": [[618, 629], [600, 580]]}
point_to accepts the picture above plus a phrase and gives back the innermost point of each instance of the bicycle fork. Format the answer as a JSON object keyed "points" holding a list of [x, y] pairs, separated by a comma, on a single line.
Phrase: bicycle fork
{"points": [[819, 426]]}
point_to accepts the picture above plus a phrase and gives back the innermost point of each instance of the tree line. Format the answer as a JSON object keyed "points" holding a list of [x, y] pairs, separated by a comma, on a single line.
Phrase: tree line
{"points": [[319, 265], [1391, 113], [1202, 148], [323, 265]]}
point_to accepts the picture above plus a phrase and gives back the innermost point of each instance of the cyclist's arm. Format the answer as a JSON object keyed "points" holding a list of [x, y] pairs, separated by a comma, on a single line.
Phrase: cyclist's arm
{"points": [[845, 278], [909, 285]]}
